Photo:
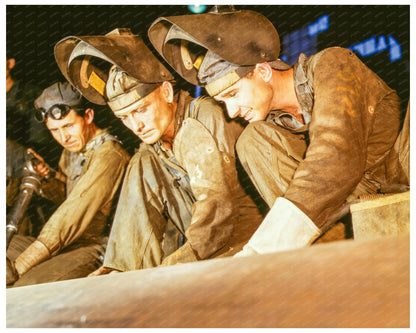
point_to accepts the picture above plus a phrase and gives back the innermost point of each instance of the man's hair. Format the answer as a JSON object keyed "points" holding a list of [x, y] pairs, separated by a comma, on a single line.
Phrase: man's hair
{"points": [[85, 104]]}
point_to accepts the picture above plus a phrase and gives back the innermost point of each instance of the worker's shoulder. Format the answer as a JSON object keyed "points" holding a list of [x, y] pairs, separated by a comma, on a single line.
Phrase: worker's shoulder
{"points": [[334, 53], [110, 149]]}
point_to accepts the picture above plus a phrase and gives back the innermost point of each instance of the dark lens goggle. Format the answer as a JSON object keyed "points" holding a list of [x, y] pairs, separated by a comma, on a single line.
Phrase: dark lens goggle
{"points": [[57, 112]]}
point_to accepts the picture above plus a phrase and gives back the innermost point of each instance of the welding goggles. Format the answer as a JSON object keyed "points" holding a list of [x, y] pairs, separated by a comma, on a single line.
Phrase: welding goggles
{"points": [[56, 112]]}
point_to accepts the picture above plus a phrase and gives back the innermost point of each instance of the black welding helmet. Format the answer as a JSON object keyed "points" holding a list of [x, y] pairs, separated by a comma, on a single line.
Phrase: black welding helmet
{"points": [[216, 49], [85, 61]]}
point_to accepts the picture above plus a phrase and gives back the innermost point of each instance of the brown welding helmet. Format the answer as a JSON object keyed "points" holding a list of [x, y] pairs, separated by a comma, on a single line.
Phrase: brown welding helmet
{"points": [[86, 60], [240, 38]]}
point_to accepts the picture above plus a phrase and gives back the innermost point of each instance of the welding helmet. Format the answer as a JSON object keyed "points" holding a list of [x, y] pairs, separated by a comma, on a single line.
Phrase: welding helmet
{"points": [[216, 49], [85, 61]]}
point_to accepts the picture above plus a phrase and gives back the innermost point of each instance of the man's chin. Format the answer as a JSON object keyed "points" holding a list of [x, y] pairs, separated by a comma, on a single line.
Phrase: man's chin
{"points": [[150, 140], [73, 149]]}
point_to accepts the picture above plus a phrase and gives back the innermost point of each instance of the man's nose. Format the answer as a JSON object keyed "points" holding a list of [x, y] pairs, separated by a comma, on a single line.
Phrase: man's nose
{"points": [[135, 124], [232, 110], [65, 135]]}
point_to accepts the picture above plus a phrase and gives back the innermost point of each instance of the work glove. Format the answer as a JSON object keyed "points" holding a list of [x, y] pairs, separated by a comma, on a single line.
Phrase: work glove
{"points": [[182, 255], [284, 228], [11, 274]]}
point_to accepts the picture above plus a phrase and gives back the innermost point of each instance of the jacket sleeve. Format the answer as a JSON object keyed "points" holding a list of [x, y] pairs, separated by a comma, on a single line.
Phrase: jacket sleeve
{"points": [[54, 189], [205, 148], [94, 190], [341, 123]]}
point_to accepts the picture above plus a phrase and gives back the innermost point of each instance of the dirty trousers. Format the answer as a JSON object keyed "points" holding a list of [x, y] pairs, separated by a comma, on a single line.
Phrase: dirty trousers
{"points": [[270, 155], [153, 212], [75, 261]]}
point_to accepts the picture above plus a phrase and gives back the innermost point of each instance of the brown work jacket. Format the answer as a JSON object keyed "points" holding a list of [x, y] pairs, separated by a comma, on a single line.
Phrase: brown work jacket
{"points": [[352, 121]]}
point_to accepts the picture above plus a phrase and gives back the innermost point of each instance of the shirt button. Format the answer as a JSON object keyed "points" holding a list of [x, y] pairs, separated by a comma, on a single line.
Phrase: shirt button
{"points": [[371, 109]]}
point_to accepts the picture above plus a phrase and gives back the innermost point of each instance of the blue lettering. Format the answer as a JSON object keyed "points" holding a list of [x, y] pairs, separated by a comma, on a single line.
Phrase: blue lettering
{"points": [[382, 44], [395, 49], [373, 45], [320, 25]]}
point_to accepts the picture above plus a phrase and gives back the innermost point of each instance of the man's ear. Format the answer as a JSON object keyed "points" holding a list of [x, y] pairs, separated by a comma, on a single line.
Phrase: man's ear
{"points": [[89, 116], [264, 71], [167, 91]]}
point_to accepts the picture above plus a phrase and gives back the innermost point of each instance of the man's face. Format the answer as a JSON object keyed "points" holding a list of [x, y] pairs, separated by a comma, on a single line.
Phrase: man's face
{"points": [[248, 98], [152, 120], [71, 132]]}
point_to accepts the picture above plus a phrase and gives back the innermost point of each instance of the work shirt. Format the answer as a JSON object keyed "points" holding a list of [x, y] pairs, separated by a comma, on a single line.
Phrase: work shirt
{"points": [[92, 179], [195, 185]]}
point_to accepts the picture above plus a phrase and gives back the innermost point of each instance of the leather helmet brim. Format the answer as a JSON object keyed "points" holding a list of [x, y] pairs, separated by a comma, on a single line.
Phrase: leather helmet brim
{"points": [[86, 60], [241, 37]]}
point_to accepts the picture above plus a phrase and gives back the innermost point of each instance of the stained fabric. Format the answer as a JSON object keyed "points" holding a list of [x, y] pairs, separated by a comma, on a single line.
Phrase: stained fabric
{"points": [[354, 123], [194, 187]]}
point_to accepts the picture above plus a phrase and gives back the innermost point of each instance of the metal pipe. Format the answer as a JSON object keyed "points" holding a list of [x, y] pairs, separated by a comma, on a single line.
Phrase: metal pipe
{"points": [[31, 183]]}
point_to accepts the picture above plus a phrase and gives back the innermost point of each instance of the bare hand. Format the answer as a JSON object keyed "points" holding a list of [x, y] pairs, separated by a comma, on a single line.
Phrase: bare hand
{"points": [[102, 271], [40, 168]]}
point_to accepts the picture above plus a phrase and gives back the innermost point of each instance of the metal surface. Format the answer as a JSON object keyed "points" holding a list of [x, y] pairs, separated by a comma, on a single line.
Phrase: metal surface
{"points": [[340, 284]]}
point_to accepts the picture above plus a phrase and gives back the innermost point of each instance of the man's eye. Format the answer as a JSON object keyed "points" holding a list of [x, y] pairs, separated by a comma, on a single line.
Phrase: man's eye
{"points": [[231, 94]]}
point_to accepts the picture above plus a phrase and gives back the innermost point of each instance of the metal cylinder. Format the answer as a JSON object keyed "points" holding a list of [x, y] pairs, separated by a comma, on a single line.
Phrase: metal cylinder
{"points": [[31, 183]]}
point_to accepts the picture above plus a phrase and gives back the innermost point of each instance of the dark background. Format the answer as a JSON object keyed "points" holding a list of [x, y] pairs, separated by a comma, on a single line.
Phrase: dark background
{"points": [[33, 30]]}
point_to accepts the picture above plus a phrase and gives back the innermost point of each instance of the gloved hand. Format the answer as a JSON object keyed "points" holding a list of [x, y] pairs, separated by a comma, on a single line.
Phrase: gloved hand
{"points": [[284, 228], [182, 255], [102, 271], [11, 274]]}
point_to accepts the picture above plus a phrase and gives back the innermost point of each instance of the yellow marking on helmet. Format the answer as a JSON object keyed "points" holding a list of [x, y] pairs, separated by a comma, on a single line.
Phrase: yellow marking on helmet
{"points": [[97, 83], [198, 62], [186, 57], [83, 76]]}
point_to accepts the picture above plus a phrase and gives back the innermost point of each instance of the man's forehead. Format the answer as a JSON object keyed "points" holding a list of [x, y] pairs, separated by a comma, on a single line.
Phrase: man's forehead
{"points": [[142, 103], [70, 118], [225, 92]]}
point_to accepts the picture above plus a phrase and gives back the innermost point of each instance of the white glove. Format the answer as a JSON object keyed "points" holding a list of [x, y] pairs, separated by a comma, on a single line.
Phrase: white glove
{"points": [[285, 227]]}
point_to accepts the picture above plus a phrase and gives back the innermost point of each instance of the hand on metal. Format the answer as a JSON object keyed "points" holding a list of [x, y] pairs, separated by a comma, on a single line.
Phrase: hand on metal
{"points": [[102, 271], [41, 167], [182, 255]]}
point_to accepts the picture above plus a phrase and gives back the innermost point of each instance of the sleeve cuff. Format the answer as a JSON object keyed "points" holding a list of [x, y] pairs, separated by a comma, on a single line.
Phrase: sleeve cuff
{"points": [[33, 255], [285, 227]]}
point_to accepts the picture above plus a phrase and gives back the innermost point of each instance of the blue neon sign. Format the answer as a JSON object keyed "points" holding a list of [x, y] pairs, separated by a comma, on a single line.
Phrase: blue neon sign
{"points": [[320, 25], [304, 41], [378, 44]]}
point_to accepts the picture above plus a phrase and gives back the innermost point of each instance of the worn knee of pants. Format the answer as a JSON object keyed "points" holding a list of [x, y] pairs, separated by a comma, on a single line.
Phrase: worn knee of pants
{"points": [[270, 155], [152, 211]]}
